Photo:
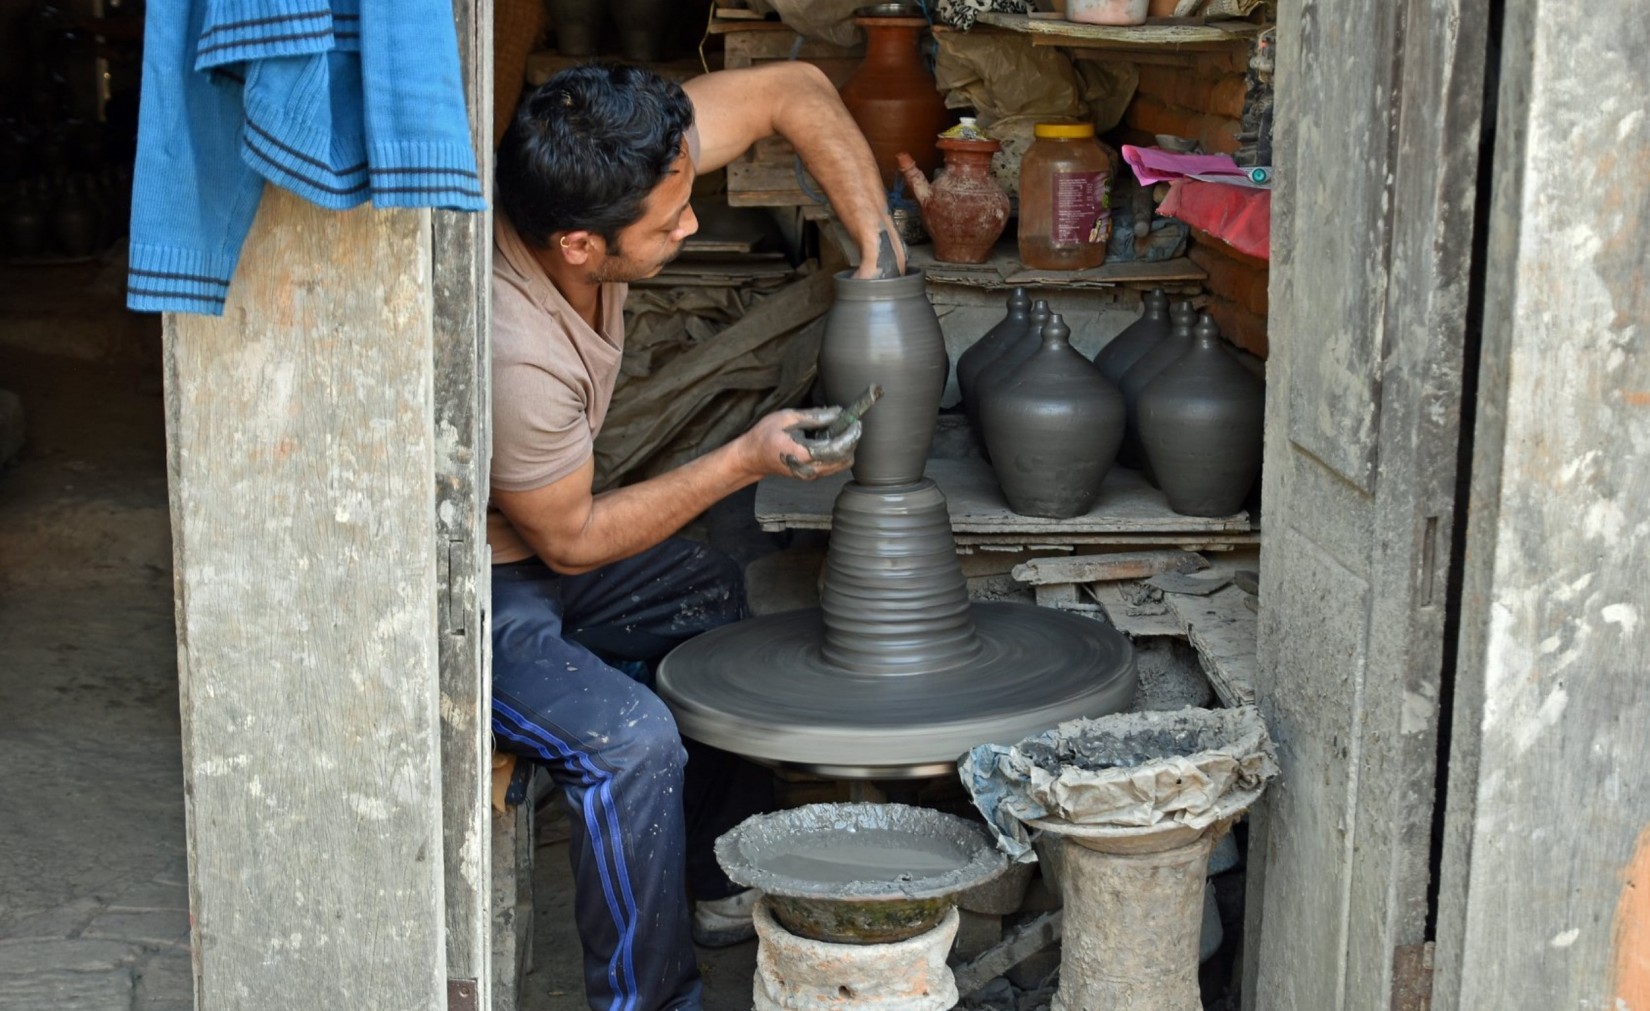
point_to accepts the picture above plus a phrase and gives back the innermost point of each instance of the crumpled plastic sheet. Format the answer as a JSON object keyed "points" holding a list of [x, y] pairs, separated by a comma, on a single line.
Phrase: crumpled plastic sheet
{"points": [[1131, 770]]}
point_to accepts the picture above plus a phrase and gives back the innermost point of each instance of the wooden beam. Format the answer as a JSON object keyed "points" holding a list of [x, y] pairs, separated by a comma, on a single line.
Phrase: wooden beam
{"points": [[460, 281], [1547, 832], [302, 466]]}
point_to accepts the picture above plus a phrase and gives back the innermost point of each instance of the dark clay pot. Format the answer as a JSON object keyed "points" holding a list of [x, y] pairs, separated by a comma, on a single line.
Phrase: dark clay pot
{"points": [[1201, 422], [25, 225], [1053, 428], [1171, 346], [884, 332], [1137, 338], [1016, 350], [985, 350], [578, 25], [893, 98], [643, 27]]}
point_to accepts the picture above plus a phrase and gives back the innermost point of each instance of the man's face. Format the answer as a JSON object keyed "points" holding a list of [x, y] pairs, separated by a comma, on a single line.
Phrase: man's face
{"points": [[647, 244]]}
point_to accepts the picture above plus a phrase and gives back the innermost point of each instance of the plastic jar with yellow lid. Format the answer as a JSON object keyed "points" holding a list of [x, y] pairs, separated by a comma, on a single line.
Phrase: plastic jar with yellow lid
{"points": [[1065, 204]]}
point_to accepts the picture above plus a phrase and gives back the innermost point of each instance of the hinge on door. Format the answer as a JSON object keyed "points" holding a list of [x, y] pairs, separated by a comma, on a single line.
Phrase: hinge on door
{"points": [[1412, 977], [461, 995]]}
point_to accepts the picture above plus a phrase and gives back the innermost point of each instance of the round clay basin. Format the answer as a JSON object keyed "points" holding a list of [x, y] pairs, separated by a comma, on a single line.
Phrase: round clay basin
{"points": [[859, 873]]}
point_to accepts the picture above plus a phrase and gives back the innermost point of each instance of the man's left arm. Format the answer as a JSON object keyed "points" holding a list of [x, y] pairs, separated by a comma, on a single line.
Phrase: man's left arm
{"points": [[733, 109]]}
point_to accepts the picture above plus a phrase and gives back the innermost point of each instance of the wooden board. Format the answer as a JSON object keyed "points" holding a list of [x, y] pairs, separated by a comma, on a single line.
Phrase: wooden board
{"points": [[1158, 33], [1127, 506], [1378, 134], [1545, 899], [1221, 628], [300, 443], [461, 274], [1003, 269]]}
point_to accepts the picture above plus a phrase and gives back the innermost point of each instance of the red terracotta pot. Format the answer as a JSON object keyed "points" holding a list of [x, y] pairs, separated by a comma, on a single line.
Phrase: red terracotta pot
{"points": [[893, 97]]}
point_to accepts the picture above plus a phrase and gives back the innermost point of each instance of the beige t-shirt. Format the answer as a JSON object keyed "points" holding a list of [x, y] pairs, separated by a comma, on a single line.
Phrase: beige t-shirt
{"points": [[553, 379]]}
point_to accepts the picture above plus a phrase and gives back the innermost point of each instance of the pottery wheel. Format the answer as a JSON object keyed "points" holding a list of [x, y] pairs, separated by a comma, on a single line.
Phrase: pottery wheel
{"points": [[762, 688]]}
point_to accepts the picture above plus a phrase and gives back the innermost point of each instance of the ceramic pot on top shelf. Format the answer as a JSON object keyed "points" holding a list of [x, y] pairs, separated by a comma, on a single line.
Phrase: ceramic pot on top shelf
{"points": [[964, 209], [1137, 338], [985, 350], [577, 24], [884, 332], [1053, 427], [893, 98], [1169, 347], [1201, 422]]}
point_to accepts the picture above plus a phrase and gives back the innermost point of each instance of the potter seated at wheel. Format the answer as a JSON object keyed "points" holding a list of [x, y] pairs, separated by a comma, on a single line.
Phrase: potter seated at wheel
{"points": [[593, 183]]}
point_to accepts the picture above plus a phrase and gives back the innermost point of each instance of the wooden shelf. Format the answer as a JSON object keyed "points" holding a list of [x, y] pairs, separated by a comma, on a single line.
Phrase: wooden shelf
{"points": [[1158, 33], [1004, 270], [1130, 511]]}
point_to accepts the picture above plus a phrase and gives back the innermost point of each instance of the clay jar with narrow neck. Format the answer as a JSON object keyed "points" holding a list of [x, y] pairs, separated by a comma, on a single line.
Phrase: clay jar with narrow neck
{"points": [[987, 349], [1201, 422], [1015, 351], [883, 332], [964, 209], [1053, 427], [1137, 338], [893, 98], [1169, 347]]}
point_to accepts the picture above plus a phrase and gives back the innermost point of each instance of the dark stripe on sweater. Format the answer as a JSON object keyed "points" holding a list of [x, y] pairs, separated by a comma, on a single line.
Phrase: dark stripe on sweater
{"points": [[232, 25], [148, 293], [267, 40], [426, 189], [294, 152], [177, 277], [426, 171], [288, 170]]}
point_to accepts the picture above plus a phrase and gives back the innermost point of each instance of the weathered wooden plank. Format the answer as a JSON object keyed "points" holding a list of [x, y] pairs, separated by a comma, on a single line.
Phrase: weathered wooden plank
{"points": [[461, 267], [1127, 505], [1222, 629], [1025, 941], [1338, 146], [299, 430], [1351, 623], [1547, 834], [1101, 568]]}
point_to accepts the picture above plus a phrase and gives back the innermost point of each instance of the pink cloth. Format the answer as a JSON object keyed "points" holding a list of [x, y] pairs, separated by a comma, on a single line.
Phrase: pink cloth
{"points": [[1239, 216], [1153, 164]]}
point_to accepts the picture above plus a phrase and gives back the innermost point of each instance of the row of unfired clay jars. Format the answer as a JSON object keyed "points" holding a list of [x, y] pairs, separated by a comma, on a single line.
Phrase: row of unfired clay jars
{"points": [[1164, 396]]}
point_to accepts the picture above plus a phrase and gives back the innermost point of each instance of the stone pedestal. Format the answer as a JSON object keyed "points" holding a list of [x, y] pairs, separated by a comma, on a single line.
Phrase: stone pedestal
{"points": [[794, 973]]}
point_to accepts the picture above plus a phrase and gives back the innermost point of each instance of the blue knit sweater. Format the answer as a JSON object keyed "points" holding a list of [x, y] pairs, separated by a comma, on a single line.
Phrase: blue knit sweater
{"points": [[338, 101]]}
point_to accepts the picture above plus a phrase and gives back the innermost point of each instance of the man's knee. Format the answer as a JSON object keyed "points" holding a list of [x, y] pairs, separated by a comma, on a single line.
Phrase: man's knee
{"points": [[644, 738]]}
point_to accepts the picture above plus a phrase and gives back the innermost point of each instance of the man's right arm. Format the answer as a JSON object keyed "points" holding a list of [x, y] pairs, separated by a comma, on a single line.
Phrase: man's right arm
{"points": [[573, 530]]}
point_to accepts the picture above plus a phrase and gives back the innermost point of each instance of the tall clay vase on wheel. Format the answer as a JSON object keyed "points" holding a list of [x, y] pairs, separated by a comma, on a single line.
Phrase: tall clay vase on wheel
{"points": [[964, 209], [883, 332], [893, 98], [1053, 428], [1145, 368], [986, 350], [1137, 338], [1201, 422]]}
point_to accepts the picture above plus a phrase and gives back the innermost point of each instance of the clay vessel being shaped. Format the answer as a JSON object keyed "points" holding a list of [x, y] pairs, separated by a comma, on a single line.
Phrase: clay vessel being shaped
{"points": [[892, 96], [1053, 427], [1137, 338], [987, 349], [964, 209], [1201, 422], [1171, 346], [883, 332]]}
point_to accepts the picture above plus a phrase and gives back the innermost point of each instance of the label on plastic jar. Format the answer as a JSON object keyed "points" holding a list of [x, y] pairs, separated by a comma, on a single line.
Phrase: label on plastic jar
{"points": [[1082, 215]]}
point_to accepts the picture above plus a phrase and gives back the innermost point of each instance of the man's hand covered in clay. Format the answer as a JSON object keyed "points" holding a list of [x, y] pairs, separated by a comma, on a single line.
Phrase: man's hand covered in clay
{"points": [[803, 444]]}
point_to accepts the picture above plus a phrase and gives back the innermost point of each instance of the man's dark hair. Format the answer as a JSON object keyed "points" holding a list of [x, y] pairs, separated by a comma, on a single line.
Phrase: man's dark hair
{"points": [[586, 148]]}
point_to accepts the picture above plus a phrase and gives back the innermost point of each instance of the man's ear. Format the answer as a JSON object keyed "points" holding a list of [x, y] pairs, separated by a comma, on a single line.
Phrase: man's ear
{"points": [[579, 248]]}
